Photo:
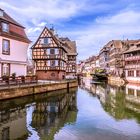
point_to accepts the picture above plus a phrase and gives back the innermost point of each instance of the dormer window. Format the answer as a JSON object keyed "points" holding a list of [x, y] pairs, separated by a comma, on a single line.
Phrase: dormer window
{"points": [[5, 27]]}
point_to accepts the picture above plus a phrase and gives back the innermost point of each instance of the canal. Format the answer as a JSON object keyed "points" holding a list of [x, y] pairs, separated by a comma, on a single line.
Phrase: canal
{"points": [[91, 112]]}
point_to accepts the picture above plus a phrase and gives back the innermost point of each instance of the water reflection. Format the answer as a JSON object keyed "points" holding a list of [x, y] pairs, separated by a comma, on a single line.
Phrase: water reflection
{"points": [[9, 124], [93, 112], [119, 102], [37, 117]]}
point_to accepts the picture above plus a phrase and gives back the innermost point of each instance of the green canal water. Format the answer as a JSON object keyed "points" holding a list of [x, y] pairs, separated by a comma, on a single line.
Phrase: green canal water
{"points": [[91, 112]]}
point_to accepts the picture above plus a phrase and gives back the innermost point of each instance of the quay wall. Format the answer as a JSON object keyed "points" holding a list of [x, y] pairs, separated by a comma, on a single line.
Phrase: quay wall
{"points": [[24, 90]]}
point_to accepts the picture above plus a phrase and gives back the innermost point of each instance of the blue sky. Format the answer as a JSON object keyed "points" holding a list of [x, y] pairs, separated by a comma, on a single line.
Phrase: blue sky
{"points": [[92, 23]]}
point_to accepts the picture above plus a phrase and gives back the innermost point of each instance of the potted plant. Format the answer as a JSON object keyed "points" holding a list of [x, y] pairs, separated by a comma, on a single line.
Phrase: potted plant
{"points": [[5, 78], [13, 76], [23, 79]]}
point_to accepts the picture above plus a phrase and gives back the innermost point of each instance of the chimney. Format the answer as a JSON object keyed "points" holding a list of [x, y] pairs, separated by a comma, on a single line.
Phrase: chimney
{"points": [[52, 30], [1, 12]]}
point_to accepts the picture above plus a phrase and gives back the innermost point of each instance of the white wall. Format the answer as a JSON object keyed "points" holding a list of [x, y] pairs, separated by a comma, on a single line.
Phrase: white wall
{"points": [[18, 69], [18, 50], [18, 53]]}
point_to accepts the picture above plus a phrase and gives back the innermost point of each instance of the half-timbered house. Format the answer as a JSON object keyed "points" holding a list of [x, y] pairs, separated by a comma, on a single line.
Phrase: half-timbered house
{"points": [[49, 56], [70, 47]]}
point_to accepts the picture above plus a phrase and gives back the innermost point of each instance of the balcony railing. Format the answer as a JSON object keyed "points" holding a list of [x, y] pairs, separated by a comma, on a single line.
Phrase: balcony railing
{"points": [[56, 56], [51, 68], [132, 66], [6, 80], [132, 58]]}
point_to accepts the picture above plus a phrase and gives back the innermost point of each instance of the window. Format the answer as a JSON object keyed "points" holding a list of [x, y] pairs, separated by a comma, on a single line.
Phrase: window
{"points": [[138, 73], [52, 63], [5, 27], [46, 40], [130, 91], [45, 63], [52, 51], [45, 51], [49, 63], [56, 62], [131, 73], [5, 69], [6, 47]]}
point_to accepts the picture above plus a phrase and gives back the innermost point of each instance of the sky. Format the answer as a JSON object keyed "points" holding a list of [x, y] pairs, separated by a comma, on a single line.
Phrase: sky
{"points": [[91, 23]]}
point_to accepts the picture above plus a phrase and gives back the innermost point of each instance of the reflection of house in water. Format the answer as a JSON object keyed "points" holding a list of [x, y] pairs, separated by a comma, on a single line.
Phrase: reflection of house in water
{"points": [[50, 115], [85, 84], [133, 97], [101, 91], [47, 113], [13, 124], [120, 102]]}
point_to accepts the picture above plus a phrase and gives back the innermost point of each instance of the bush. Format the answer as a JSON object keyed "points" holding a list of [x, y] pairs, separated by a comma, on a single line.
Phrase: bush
{"points": [[5, 78], [13, 76]]}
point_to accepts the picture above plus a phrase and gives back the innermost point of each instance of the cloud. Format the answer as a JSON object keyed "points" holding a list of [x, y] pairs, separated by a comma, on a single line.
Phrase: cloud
{"points": [[51, 10], [92, 23], [93, 37]]}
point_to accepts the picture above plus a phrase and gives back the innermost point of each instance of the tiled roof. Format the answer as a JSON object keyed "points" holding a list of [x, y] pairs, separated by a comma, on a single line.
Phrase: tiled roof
{"points": [[15, 36], [6, 17], [135, 47], [131, 41], [117, 43], [16, 30], [69, 45]]}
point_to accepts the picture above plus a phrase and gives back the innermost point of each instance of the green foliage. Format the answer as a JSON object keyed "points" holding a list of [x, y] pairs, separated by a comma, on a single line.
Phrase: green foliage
{"points": [[100, 71], [5, 78]]}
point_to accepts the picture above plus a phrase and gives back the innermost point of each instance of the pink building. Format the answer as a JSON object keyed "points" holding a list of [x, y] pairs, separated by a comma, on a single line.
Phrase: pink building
{"points": [[132, 62], [13, 46]]}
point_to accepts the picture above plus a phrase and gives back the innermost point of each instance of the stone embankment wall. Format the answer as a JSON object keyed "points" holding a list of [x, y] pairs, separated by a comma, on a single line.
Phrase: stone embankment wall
{"points": [[24, 90]]}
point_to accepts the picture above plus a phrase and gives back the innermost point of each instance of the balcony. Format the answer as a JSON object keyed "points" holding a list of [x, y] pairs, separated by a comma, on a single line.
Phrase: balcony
{"points": [[132, 66], [50, 68], [50, 57], [132, 58]]}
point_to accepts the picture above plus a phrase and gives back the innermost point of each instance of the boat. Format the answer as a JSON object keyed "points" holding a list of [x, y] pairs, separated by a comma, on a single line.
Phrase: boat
{"points": [[99, 75]]}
